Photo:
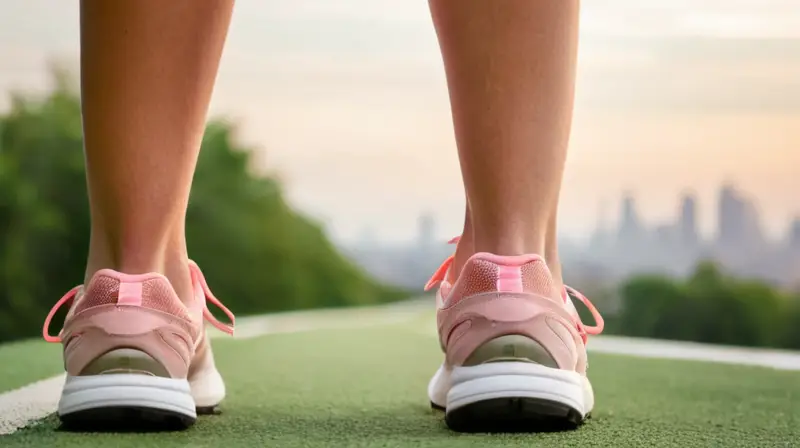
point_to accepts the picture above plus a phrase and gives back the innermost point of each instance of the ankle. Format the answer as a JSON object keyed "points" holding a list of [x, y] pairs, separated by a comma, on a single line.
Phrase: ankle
{"points": [[494, 238], [554, 264], [466, 248], [509, 243], [551, 252], [170, 261]]}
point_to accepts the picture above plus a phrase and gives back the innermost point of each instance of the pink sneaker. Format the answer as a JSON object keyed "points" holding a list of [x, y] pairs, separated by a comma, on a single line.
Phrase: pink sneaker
{"points": [[515, 347], [135, 354]]}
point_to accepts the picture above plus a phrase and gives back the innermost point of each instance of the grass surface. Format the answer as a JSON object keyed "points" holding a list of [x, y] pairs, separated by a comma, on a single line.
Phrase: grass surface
{"points": [[366, 388], [28, 361]]}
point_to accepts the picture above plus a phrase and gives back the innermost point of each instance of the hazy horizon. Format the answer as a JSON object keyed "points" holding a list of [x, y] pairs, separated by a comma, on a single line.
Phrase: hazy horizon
{"points": [[348, 102]]}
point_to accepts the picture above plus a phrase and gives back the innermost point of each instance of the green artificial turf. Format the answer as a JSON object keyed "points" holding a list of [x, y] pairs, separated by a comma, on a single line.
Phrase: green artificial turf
{"points": [[24, 362], [366, 388]]}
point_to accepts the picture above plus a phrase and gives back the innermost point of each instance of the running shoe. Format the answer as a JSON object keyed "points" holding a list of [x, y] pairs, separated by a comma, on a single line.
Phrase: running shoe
{"points": [[514, 345], [135, 355]]}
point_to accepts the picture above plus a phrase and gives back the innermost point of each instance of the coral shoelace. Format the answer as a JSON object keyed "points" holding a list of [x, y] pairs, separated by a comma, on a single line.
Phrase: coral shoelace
{"points": [[595, 329], [441, 274], [197, 277]]}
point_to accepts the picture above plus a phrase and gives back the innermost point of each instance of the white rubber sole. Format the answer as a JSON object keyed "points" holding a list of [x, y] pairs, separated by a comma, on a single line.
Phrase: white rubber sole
{"points": [[119, 391], [490, 389], [208, 389]]}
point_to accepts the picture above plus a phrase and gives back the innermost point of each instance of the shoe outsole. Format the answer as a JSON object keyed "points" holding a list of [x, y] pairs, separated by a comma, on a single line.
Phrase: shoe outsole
{"points": [[208, 410], [126, 419], [513, 415]]}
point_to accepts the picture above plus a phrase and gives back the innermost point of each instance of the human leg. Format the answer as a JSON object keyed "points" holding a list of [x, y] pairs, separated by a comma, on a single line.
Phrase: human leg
{"points": [[514, 344], [135, 349]]}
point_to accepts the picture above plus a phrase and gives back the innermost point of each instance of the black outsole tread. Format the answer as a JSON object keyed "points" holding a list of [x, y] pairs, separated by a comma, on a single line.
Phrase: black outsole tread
{"points": [[125, 419], [513, 414]]}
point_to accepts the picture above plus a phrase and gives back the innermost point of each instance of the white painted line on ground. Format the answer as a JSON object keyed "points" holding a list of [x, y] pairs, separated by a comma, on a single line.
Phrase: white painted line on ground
{"points": [[20, 407], [654, 348], [29, 403], [689, 351]]}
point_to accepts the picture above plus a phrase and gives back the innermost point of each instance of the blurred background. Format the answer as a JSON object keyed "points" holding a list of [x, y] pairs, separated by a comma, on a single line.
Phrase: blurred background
{"points": [[329, 174]]}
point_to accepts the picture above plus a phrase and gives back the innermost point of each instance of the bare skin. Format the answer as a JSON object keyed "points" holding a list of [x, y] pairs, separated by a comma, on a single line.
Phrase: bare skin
{"points": [[147, 72], [510, 69], [465, 249]]}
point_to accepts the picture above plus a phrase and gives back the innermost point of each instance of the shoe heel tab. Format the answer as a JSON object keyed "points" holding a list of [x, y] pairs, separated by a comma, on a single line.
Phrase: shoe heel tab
{"points": [[110, 287], [486, 272]]}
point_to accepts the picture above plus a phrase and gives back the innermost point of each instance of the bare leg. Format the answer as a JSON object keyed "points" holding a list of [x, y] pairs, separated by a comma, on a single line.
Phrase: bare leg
{"points": [[466, 245], [147, 71], [510, 69]]}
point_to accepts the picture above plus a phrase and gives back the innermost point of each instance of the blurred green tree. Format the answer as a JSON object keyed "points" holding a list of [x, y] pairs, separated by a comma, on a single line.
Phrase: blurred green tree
{"points": [[649, 305], [710, 307], [257, 252]]}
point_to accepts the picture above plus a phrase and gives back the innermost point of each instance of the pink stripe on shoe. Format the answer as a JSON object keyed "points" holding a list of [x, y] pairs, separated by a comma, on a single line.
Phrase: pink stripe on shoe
{"points": [[509, 279], [130, 294]]}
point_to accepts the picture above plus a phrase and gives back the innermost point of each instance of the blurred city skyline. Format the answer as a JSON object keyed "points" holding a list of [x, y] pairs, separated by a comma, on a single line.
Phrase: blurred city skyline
{"points": [[622, 244], [347, 102]]}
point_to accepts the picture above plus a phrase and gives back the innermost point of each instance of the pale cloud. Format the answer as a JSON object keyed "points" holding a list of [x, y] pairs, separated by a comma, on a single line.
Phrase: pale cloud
{"points": [[667, 75], [706, 18], [340, 94]]}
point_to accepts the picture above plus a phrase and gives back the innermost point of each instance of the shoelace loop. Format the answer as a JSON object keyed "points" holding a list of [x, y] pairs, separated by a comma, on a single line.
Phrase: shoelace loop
{"points": [[197, 275], [66, 298], [599, 323], [441, 273]]}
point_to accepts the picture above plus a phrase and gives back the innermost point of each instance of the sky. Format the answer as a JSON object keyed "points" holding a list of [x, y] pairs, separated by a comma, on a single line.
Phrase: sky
{"points": [[347, 103]]}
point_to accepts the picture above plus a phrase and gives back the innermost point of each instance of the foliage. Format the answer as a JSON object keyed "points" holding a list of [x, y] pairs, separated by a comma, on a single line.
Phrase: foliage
{"points": [[709, 307], [257, 252]]}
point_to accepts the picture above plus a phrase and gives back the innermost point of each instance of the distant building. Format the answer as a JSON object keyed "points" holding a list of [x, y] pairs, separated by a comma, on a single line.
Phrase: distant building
{"points": [[794, 235], [630, 225], [687, 222], [664, 235], [739, 223], [753, 231], [614, 251], [730, 217], [426, 231]]}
